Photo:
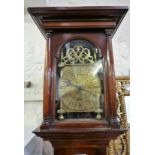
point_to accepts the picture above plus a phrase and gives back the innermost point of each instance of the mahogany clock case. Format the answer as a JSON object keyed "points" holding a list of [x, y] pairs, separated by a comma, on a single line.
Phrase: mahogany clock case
{"points": [[58, 40], [59, 26]]}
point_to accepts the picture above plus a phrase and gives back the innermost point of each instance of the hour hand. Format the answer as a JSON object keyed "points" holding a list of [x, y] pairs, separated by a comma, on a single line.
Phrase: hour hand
{"points": [[68, 82], [81, 88]]}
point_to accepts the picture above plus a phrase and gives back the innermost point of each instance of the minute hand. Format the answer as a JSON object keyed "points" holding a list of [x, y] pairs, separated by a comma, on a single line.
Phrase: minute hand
{"points": [[68, 82]]}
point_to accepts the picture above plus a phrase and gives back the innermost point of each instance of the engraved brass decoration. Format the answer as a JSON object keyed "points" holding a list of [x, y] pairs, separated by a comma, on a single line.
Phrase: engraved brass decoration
{"points": [[79, 84], [77, 54], [79, 90], [120, 146]]}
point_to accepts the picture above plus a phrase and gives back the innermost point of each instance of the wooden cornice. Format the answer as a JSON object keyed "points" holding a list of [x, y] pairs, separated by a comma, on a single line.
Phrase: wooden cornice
{"points": [[49, 19]]}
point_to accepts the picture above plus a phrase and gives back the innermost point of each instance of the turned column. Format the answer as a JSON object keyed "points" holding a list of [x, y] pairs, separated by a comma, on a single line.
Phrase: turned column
{"points": [[49, 84], [114, 122]]}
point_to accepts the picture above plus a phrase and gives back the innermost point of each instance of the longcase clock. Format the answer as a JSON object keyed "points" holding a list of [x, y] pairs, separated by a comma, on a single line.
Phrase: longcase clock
{"points": [[79, 106]]}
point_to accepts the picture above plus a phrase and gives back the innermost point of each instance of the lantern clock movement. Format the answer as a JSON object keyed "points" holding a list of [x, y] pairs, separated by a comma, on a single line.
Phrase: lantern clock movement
{"points": [[79, 106]]}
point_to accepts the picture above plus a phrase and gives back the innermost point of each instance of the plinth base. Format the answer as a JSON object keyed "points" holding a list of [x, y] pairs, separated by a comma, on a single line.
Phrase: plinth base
{"points": [[81, 141]]}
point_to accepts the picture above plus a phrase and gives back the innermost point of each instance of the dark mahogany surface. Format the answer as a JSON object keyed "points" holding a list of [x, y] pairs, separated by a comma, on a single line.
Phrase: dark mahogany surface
{"points": [[49, 19]]}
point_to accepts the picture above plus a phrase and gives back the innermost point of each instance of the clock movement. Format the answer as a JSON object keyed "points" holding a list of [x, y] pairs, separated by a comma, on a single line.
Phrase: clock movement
{"points": [[79, 105]]}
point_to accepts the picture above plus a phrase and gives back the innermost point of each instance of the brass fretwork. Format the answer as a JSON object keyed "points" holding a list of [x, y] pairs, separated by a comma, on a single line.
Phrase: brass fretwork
{"points": [[77, 55]]}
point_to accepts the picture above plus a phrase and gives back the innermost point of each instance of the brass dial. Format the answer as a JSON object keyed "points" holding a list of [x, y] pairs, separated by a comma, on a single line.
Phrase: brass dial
{"points": [[79, 89]]}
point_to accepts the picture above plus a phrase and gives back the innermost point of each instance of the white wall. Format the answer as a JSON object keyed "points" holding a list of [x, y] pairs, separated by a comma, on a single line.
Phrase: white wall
{"points": [[34, 57], [33, 71]]}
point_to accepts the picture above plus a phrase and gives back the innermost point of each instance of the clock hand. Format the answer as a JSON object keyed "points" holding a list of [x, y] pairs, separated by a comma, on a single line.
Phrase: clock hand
{"points": [[68, 82]]}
